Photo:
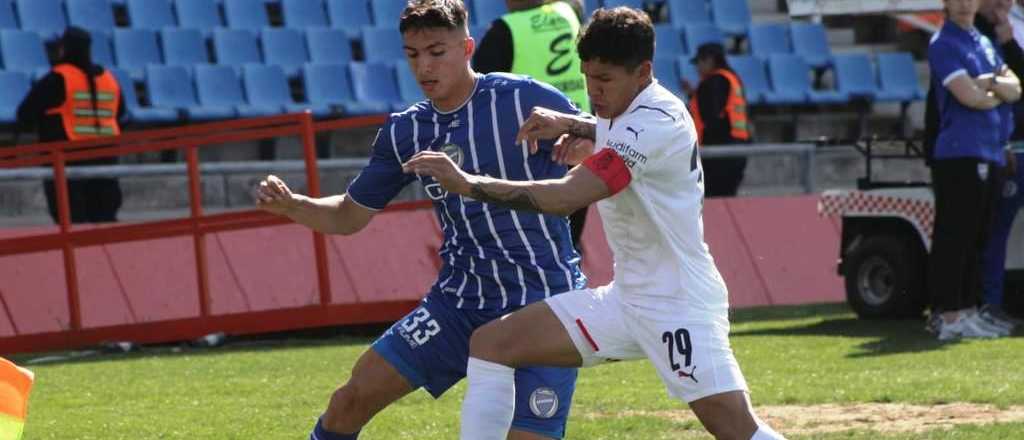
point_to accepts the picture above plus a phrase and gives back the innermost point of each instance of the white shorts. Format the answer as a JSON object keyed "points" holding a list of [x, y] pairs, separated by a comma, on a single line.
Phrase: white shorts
{"points": [[693, 359]]}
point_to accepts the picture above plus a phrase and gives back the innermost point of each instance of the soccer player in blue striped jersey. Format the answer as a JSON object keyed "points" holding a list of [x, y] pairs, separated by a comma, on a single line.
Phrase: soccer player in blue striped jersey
{"points": [[496, 260]]}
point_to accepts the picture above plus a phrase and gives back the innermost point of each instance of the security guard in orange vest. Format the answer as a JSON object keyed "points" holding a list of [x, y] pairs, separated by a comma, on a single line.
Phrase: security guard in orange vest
{"points": [[77, 100], [720, 115]]}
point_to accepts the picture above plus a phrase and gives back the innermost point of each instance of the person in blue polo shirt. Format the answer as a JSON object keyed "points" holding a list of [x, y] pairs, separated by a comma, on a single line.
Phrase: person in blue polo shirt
{"points": [[973, 87]]}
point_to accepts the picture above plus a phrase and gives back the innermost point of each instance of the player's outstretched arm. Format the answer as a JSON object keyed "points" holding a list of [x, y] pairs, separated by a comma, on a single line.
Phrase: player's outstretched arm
{"points": [[579, 188], [330, 215]]}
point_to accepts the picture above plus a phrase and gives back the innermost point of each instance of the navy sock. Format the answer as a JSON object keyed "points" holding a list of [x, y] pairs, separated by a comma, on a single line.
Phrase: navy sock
{"points": [[321, 433]]}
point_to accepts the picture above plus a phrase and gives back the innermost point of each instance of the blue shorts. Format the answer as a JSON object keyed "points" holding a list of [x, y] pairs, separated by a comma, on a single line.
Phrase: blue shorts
{"points": [[430, 347]]}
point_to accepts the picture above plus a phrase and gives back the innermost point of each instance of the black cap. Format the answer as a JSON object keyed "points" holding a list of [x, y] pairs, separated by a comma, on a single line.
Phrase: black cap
{"points": [[708, 50], [76, 37]]}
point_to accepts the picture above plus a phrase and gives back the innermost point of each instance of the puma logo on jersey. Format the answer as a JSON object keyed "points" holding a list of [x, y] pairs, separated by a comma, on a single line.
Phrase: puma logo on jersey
{"points": [[683, 374], [636, 134]]}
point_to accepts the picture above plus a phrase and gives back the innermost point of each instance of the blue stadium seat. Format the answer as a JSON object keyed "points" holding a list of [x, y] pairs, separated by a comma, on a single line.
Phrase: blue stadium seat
{"points": [[135, 49], [267, 87], [13, 88], [854, 75], [328, 46], [635, 4], [44, 17], [767, 39], [102, 52], [688, 72], [183, 47], [386, 13], [331, 85], [246, 14], [667, 75], [375, 82], [94, 15], [700, 33], [810, 42], [486, 11], [897, 78], [478, 32], [349, 16], [589, 6], [382, 45], [731, 16], [668, 41], [408, 88], [134, 112], [285, 48], [752, 73], [170, 88], [151, 14], [235, 47], [301, 14], [791, 83], [687, 12], [7, 18], [198, 14], [220, 95], [23, 51]]}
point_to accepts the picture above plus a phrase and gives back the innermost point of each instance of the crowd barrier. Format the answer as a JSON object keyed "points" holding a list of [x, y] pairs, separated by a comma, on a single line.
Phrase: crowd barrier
{"points": [[251, 272]]}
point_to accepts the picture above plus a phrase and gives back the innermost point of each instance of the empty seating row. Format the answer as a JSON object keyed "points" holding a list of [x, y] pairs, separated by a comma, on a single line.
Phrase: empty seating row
{"points": [[785, 79], [50, 17], [210, 92], [802, 38]]}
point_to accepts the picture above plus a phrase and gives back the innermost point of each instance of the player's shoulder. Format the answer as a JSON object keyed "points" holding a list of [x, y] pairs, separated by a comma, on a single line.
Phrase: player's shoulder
{"points": [[506, 82]]}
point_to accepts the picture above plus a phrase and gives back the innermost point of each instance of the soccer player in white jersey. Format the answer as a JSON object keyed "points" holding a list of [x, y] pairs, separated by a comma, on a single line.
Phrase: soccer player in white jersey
{"points": [[667, 301]]}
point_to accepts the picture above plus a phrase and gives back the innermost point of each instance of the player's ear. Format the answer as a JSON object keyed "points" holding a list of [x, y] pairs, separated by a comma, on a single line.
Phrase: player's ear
{"points": [[470, 46]]}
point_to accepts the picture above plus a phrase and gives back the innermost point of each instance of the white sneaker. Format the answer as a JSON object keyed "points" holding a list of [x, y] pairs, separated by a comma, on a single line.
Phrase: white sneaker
{"points": [[997, 316], [989, 322], [963, 327]]}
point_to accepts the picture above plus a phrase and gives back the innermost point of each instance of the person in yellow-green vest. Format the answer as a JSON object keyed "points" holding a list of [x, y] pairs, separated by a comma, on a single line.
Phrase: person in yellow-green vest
{"points": [[77, 100], [537, 38]]}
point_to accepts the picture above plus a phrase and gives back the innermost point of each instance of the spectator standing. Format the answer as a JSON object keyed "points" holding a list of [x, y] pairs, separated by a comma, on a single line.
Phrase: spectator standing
{"points": [[538, 38], [77, 100], [1005, 19], [970, 83], [720, 116]]}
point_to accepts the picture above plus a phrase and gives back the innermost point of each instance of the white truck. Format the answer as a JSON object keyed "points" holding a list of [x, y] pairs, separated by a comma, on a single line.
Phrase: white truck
{"points": [[886, 236]]}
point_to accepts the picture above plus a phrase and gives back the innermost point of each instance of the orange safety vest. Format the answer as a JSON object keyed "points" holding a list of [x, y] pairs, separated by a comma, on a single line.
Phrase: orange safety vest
{"points": [[735, 109], [80, 120]]}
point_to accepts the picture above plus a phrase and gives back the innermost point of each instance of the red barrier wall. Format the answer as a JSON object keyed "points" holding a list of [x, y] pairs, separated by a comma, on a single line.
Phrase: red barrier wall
{"points": [[773, 250]]}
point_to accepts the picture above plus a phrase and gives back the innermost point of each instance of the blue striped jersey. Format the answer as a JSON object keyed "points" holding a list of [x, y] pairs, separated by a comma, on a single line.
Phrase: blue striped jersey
{"points": [[494, 258]]}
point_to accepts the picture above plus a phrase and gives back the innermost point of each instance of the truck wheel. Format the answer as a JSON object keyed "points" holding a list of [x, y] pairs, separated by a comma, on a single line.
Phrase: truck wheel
{"points": [[885, 278]]}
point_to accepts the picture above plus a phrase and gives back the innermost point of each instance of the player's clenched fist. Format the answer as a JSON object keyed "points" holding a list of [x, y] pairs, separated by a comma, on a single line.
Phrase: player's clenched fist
{"points": [[273, 195]]}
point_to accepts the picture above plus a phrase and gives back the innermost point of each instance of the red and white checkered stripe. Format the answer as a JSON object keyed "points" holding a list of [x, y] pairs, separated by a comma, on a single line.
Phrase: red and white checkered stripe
{"points": [[916, 208]]}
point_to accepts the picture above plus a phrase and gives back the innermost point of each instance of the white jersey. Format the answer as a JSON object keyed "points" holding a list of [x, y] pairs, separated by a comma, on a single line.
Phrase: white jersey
{"points": [[654, 226]]}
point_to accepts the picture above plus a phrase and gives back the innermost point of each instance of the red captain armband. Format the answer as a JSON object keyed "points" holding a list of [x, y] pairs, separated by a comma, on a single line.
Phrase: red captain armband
{"points": [[610, 167]]}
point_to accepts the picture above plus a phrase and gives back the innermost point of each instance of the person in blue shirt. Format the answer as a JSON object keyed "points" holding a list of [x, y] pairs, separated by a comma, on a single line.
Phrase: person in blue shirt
{"points": [[495, 260], [972, 89]]}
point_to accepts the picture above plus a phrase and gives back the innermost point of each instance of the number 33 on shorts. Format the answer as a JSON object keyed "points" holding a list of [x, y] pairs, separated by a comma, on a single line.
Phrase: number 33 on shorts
{"points": [[419, 327]]}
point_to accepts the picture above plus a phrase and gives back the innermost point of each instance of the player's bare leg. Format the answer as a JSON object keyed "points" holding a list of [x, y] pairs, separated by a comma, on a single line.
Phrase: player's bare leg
{"points": [[729, 416], [531, 336], [373, 385]]}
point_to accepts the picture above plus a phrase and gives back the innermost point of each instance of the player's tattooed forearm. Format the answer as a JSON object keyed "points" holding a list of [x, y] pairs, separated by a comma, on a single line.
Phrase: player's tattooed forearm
{"points": [[583, 129], [519, 199]]}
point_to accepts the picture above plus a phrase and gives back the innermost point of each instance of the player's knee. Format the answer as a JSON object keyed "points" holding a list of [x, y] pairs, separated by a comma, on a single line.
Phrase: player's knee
{"points": [[724, 428], [490, 344], [347, 411]]}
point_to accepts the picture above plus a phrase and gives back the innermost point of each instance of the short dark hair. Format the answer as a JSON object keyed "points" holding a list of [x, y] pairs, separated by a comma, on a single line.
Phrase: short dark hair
{"points": [[621, 36], [425, 14]]}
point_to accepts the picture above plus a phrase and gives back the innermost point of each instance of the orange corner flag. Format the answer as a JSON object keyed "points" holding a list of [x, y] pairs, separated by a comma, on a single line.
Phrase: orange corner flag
{"points": [[15, 383]]}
